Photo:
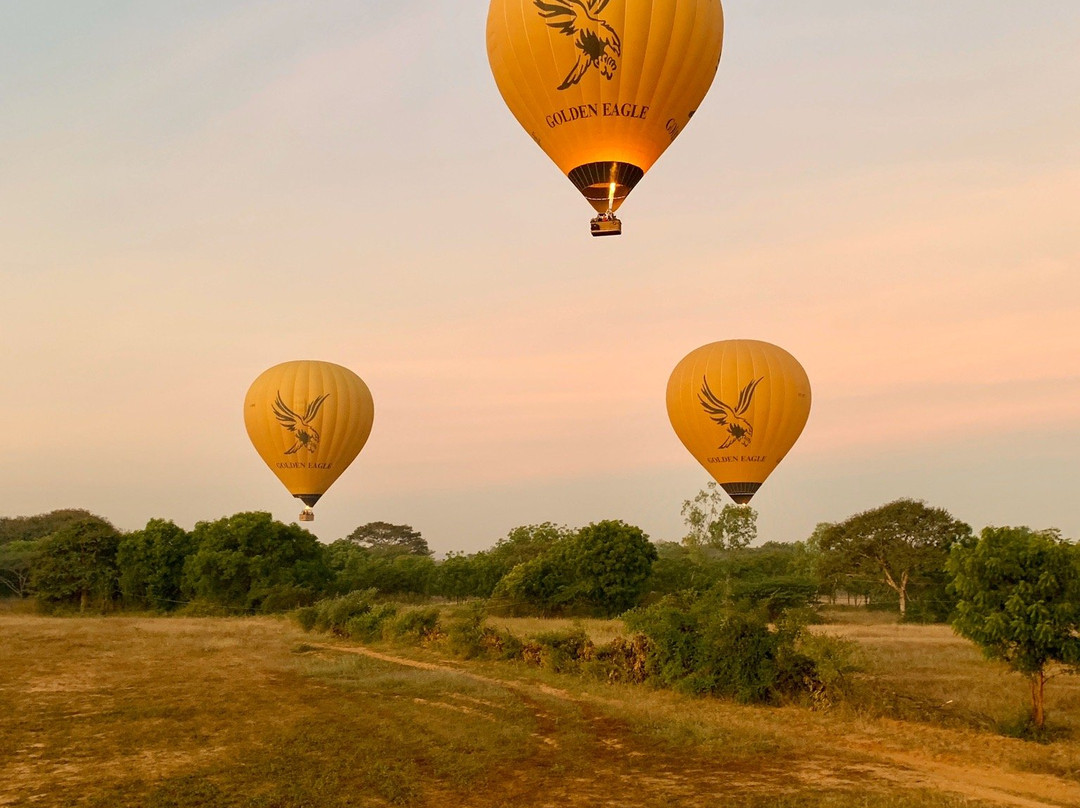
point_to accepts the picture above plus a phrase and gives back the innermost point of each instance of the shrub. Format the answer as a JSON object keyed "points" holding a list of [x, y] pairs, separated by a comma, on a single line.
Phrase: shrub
{"points": [[369, 625], [465, 634], [835, 660], [708, 647], [469, 637], [415, 625], [333, 613], [305, 617], [559, 651], [624, 659], [285, 597]]}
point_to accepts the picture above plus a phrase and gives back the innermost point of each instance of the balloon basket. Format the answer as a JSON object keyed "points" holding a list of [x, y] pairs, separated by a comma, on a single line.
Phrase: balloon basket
{"points": [[307, 515], [606, 224]]}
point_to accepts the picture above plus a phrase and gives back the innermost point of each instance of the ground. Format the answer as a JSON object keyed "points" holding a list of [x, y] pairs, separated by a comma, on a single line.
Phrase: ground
{"points": [[171, 712]]}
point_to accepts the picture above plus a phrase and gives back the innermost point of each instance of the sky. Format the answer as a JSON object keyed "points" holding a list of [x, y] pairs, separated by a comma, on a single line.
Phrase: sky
{"points": [[193, 192]]}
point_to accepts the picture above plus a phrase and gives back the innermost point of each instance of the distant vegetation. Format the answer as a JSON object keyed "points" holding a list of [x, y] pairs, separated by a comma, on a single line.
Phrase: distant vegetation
{"points": [[715, 613]]}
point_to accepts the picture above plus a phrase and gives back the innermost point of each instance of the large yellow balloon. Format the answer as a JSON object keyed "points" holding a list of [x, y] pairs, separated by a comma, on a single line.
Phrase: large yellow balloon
{"points": [[308, 421], [604, 86], [739, 406]]}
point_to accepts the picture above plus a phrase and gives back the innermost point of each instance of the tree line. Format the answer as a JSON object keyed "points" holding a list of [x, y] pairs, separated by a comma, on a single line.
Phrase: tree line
{"points": [[1012, 590]]}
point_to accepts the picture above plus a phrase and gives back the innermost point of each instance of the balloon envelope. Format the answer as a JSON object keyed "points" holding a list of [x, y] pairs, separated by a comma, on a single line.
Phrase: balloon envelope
{"points": [[738, 406], [604, 86], [308, 420]]}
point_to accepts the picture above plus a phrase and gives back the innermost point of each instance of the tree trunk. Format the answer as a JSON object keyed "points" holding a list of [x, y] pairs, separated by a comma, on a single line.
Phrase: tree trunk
{"points": [[1038, 680], [84, 600], [899, 588]]}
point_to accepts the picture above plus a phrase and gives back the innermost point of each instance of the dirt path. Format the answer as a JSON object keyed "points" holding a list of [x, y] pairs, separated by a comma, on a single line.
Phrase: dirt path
{"points": [[874, 759]]}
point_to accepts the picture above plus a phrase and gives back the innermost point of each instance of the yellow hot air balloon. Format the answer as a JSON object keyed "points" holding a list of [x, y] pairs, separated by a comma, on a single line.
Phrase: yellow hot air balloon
{"points": [[738, 406], [308, 421], [604, 86]]}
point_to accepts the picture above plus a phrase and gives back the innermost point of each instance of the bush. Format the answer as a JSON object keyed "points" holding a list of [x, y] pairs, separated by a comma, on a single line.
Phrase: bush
{"points": [[284, 598], [333, 613], [624, 659], [306, 616], [835, 660], [559, 651], [465, 634], [707, 647], [201, 607], [415, 625], [369, 625]]}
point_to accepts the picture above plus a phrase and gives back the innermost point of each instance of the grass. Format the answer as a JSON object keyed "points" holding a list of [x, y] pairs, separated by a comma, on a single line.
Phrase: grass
{"points": [[599, 631], [927, 673], [178, 712]]}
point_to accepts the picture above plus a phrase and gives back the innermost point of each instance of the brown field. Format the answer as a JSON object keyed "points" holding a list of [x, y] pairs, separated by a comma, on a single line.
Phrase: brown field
{"points": [[174, 712]]}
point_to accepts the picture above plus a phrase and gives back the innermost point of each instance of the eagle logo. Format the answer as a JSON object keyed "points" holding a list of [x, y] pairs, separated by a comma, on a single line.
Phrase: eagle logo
{"points": [[599, 44], [739, 429], [300, 425]]}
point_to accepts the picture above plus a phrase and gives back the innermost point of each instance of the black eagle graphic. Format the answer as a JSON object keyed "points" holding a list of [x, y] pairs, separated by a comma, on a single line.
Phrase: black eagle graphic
{"points": [[599, 44], [300, 425], [739, 429]]}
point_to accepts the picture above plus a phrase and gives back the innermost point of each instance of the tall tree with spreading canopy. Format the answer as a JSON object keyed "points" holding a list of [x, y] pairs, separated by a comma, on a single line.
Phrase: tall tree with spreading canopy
{"points": [[1018, 594], [899, 544], [77, 565], [390, 538], [712, 522]]}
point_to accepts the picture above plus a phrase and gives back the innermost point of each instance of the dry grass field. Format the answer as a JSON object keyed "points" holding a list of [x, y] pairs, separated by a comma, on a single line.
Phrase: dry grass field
{"points": [[174, 712]]}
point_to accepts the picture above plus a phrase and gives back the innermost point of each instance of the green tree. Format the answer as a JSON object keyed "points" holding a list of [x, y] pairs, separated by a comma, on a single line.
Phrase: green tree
{"points": [[29, 528], [901, 544], [468, 576], [16, 567], [151, 565], [711, 522], [388, 538], [77, 564], [611, 562], [358, 568], [602, 568], [1018, 598], [248, 558], [521, 577], [526, 542]]}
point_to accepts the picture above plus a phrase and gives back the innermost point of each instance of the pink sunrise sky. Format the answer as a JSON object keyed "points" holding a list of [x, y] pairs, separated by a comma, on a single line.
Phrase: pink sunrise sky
{"points": [[191, 193]]}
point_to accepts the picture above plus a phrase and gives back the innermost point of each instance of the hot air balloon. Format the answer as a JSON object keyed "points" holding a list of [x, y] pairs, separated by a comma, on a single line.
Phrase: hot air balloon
{"points": [[308, 421], [604, 86], [738, 406]]}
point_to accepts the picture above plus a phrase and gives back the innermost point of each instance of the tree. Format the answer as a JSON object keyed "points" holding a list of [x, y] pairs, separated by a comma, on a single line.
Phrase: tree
{"points": [[611, 561], [248, 559], [30, 528], [713, 523], [734, 529], [1018, 598], [899, 544], [462, 576], [356, 567], [151, 565], [16, 567], [603, 568], [526, 542], [388, 538], [77, 564]]}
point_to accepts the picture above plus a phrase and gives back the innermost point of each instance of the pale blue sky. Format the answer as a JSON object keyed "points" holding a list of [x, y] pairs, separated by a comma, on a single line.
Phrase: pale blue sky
{"points": [[192, 192]]}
